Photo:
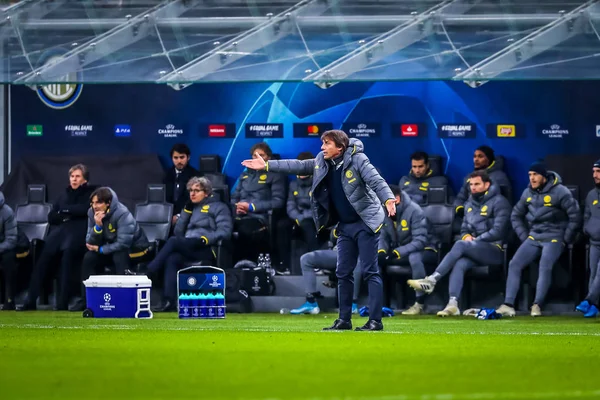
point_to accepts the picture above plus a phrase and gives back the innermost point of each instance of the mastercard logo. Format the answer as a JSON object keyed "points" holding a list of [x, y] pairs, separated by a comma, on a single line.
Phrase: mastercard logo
{"points": [[312, 129]]}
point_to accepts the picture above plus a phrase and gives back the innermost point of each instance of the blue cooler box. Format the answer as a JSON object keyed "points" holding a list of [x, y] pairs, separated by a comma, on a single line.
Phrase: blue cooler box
{"points": [[118, 296]]}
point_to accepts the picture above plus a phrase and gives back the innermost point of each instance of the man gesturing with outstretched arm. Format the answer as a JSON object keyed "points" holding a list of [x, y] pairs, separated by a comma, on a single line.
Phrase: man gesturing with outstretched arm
{"points": [[347, 190]]}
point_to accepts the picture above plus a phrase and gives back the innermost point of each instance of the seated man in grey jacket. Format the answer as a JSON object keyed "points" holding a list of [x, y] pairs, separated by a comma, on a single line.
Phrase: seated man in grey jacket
{"points": [[322, 259], [421, 177], [545, 219], [484, 229], [256, 193], [112, 235], [407, 239], [204, 221]]}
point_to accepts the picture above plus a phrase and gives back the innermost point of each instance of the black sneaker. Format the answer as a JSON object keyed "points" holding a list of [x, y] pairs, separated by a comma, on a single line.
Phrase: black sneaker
{"points": [[371, 325], [340, 325], [27, 307], [8, 306]]}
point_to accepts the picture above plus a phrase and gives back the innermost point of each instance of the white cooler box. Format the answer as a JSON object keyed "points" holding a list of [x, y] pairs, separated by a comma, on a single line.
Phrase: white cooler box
{"points": [[118, 296]]}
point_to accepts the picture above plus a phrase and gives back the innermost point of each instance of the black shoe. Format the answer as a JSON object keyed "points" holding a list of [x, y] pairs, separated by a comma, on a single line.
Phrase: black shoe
{"points": [[371, 325], [167, 306], [8, 306], [27, 307], [340, 325], [79, 305]]}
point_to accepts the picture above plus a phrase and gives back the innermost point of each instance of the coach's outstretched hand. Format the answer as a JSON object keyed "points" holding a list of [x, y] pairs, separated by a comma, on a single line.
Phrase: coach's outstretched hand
{"points": [[255, 163]]}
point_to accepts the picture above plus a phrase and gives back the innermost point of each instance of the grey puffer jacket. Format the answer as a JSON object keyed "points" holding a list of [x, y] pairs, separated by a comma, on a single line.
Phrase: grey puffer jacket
{"points": [[364, 188], [591, 216], [8, 227], [417, 187], [263, 190], [298, 203], [210, 219], [119, 230], [487, 219], [550, 213], [497, 176], [408, 232]]}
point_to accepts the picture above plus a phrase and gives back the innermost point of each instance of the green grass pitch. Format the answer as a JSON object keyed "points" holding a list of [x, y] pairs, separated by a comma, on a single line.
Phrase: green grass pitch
{"points": [[54, 355]]}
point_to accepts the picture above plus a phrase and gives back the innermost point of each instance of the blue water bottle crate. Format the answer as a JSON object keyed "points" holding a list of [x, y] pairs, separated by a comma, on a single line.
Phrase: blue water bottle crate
{"points": [[201, 293]]}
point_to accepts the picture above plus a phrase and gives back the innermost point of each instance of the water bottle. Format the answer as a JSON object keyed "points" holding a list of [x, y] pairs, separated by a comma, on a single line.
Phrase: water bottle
{"points": [[184, 306], [210, 300], [268, 267], [194, 299], [220, 300], [202, 305], [261, 261]]}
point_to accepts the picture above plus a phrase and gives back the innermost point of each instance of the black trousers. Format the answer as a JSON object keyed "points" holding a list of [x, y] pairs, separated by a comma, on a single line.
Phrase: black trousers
{"points": [[8, 264], [306, 229], [253, 238], [94, 264], [70, 258]]}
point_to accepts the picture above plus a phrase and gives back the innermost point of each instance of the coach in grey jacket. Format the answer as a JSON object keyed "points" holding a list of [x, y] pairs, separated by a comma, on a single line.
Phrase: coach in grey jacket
{"points": [[407, 240], [348, 191], [483, 231], [545, 219], [204, 221], [8, 255]]}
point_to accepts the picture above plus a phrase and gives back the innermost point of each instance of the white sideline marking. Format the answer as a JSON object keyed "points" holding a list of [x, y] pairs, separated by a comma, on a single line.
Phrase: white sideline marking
{"points": [[225, 328], [478, 396]]}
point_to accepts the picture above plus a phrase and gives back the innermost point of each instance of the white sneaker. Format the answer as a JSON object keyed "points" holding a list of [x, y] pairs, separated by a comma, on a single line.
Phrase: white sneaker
{"points": [[506, 311], [424, 285], [536, 311], [415, 309], [449, 311]]}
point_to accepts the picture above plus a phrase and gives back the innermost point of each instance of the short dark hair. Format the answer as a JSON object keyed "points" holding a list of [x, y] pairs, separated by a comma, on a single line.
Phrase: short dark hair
{"points": [[420, 155], [396, 190], [338, 137], [181, 148], [262, 146], [482, 174], [103, 194], [306, 155]]}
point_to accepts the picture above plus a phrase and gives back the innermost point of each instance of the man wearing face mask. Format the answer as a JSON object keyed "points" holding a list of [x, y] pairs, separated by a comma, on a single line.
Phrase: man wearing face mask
{"points": [[347, 191], [545, 219], [591, 227], [203, 222], [484, 228], [300, 214], [66, 241], [420, 178], [176, 178]]}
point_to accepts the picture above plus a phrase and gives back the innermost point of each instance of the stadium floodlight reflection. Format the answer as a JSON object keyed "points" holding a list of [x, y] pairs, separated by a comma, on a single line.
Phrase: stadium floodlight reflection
{"points": [[418, 27], [556, 32], [273, 29], [123, 35]]}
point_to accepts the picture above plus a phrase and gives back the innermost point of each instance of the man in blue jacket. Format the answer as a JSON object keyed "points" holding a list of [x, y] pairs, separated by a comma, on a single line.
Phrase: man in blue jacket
{"points": [[407, 239], [591, 227], [483, 231], [8, 255], [545, 219], [420, 178], [348, 191]]}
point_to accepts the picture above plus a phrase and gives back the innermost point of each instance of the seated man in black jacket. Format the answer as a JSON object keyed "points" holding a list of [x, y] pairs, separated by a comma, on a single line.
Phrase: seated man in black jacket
{"points": [[177, 177], [66, 241]]}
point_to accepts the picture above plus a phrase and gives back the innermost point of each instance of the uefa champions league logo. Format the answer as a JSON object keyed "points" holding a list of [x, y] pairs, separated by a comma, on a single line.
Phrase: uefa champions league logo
{"points": [[107, 306], [107, 297], [215, 282]]}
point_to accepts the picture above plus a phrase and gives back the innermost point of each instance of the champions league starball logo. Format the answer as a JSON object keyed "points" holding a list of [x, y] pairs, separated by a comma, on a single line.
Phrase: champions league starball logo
{"points": [[107, 297]]}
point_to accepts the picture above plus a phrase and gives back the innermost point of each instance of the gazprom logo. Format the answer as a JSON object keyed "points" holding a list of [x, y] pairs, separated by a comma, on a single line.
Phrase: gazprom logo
{"points": [[62, 93]]}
